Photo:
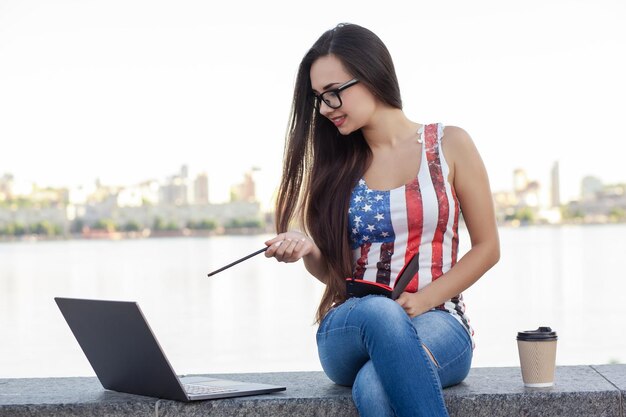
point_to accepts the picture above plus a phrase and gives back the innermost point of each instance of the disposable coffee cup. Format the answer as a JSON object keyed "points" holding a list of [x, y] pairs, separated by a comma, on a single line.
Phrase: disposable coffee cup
{"points": [[537, 355]]}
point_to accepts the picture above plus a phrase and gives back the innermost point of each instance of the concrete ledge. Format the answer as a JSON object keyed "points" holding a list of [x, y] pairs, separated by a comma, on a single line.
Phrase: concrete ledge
{"points": [[579, 391]]}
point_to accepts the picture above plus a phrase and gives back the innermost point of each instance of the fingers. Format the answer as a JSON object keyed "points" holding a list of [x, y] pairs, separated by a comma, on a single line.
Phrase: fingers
{"points": [[274, 245], [278, 238], [290, 250], [413, 303], [287, 247], [404, 301], [286, 250]]}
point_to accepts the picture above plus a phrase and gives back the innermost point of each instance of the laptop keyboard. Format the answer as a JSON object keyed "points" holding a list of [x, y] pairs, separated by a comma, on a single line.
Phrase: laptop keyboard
{"points": [[194, 389]]}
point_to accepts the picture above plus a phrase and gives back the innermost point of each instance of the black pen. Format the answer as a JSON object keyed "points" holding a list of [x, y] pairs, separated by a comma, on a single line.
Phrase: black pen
{"points": [[237, 261]]}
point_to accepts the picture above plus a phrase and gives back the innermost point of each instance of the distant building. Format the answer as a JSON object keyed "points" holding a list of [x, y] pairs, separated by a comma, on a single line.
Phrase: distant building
{"points": [[79, 195], [177, 189], [48, 196], [246, 191], [520, 180], [555, 186], [201, 189], [530, 196], [178, 201], [130, 197], [174, 192], [6, 185], [526, 192], [600, 206], [590, 188], [11, 188]]}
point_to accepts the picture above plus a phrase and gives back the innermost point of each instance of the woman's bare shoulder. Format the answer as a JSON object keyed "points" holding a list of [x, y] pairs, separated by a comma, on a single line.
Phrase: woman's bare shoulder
{"points": [[455, 134], [456, 140]]}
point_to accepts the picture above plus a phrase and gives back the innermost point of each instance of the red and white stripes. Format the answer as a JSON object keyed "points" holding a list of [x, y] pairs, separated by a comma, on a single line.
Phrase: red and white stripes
{"points": [[423, 219]]}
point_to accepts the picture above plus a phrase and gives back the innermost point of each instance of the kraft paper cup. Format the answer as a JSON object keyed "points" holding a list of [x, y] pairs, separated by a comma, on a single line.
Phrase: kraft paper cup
{"points": [[537, 355]]}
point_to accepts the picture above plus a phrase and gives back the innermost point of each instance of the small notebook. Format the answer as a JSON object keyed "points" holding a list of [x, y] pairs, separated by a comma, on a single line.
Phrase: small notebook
{"points": [[361, 288]]}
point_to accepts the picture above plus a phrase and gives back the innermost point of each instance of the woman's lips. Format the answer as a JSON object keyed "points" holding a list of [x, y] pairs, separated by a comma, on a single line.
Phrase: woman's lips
{"points": [[338, 121]]}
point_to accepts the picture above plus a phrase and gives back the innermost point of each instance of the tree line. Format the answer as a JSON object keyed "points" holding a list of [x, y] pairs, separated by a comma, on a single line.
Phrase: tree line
{"points": [[46, 228]]}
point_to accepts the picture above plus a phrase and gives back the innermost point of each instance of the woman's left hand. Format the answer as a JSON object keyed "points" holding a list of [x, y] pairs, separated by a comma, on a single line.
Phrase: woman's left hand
{"points": [[413, 303]]}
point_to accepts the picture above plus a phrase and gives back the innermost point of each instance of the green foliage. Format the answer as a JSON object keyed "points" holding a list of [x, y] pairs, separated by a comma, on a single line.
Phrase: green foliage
{"points": [[243, 223], [132, 226], [205, 224], [172, 226], [19, 203], [105, 224], [16, 229], [525, 215], [160, 225], [77, 226], [42, 228], [568, 213], [617, 214], [45, 228]]}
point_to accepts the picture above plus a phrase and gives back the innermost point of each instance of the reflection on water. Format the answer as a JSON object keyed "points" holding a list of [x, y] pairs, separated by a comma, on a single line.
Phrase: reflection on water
{"points": [[258, 316]]}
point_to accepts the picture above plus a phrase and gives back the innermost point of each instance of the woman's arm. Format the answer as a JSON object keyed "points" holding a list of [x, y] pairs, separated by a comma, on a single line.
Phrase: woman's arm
{"points": [[293, 246], [469, 177]]}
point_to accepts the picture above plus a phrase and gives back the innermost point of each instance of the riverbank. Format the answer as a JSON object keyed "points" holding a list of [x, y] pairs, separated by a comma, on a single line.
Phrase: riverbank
{"points": [[145, 234], [97, 234]]}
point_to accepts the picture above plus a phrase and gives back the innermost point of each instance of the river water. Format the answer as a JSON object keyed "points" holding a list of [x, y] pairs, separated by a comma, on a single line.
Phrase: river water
{"points": [[259, 315]]}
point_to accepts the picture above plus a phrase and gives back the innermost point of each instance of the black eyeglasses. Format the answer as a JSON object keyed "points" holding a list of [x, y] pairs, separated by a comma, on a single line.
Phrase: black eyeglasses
{"points": [[331, 97]]}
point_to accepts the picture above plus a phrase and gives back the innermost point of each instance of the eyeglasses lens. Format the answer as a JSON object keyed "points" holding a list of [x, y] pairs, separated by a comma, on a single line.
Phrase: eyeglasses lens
{"points": [[332, 99]]}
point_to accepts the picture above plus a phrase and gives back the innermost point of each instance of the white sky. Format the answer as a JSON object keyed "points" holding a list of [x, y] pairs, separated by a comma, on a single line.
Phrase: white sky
{"points": [[131, 90]]}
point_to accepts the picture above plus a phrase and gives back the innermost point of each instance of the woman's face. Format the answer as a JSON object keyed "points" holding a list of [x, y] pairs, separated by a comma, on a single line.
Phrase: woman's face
{"points": [[358, 104]]}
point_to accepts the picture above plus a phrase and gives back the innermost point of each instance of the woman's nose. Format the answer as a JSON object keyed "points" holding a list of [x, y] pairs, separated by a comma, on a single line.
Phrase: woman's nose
{"points": [[325, 109]]}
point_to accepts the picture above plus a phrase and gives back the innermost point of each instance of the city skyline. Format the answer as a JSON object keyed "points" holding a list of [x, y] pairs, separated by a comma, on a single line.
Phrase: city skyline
{"points": [[180, 204], [549, 192], [123, 91]]}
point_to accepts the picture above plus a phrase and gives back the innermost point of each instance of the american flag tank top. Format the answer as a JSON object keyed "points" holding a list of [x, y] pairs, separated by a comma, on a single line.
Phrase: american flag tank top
{"points": [[388, 227]]}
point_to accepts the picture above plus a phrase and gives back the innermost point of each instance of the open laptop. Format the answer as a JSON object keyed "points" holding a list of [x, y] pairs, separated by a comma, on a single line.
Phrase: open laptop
{"points": [[127, 357]]}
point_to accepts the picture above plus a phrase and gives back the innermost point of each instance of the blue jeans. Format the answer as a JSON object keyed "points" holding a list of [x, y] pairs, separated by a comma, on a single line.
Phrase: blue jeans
{"points": [[371, 344]]}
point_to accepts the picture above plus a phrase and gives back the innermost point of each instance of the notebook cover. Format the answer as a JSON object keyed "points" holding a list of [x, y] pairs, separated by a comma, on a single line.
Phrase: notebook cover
{"points": [[361, 288]]}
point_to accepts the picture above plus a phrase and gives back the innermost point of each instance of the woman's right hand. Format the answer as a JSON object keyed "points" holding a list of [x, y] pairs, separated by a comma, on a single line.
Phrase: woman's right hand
{"points": [[290, 246]]}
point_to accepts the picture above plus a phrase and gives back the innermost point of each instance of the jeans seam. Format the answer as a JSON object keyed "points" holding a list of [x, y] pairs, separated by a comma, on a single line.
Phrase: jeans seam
{"points": [[435, 375], [450, 362], [339, 330], [355, 400], [432, 369], [467, 342], [343, 329]]}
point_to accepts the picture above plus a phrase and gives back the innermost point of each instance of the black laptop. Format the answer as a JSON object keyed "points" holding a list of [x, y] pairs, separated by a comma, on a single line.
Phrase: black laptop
{"points": [[126, 356]]}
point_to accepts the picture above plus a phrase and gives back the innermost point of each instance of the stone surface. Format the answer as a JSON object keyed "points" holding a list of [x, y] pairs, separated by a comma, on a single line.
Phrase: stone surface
{"points": [[307, 394], [578, 391], [616, 375], [68, 397]]}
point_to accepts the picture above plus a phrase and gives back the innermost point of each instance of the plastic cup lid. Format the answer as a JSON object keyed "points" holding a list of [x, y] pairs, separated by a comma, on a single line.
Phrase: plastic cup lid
{"points": [[543, 333]]}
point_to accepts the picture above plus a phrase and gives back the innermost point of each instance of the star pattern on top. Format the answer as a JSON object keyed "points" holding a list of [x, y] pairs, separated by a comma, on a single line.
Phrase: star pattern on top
{"points": [[369, 216]]}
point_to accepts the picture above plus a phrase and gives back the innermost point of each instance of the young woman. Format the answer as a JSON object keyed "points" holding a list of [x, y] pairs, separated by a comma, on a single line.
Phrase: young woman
{"points": [[370, 189]]}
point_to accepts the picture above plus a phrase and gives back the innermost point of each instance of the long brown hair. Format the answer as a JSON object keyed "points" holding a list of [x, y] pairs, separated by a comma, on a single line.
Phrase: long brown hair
{"points": [[321, 167]]}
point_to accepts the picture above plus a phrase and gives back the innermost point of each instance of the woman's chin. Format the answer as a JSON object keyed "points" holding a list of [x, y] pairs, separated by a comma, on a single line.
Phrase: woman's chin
{"points": [[344, 130]]}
